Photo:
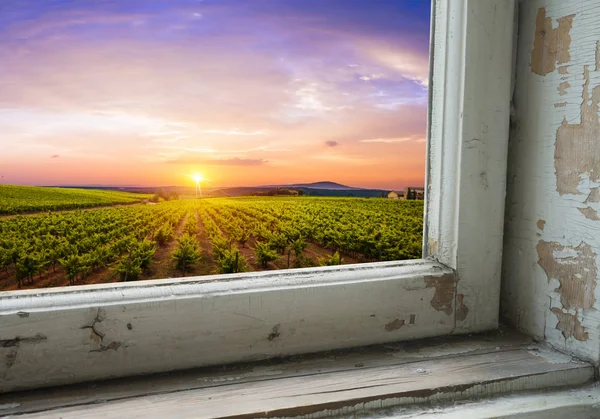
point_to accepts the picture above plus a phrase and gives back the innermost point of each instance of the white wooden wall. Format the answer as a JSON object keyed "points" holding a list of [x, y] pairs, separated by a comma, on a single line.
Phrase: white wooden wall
{"points": [[552, 230]]}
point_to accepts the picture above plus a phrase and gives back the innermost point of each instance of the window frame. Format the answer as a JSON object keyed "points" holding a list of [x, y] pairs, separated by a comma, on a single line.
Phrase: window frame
{"points": [[74, 334]]}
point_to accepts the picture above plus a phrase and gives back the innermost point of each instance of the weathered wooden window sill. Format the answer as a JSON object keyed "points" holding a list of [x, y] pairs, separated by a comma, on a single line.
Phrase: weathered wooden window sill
{"points": [[324, 384]]}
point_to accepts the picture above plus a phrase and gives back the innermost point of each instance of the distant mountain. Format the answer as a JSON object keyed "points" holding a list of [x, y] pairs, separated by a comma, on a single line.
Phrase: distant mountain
{"points": [[324, 188], [316, 185]]}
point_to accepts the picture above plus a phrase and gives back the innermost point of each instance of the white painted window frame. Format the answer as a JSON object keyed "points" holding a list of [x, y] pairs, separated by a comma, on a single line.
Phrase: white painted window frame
{"points": [[74, 334]]}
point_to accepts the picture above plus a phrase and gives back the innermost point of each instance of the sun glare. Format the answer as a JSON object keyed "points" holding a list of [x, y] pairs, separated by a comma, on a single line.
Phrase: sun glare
{"points": [[197, 177]]}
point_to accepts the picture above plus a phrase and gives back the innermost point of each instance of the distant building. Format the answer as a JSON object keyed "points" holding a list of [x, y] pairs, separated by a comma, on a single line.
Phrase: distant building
{"points": [[394, 195], [414, 193]]}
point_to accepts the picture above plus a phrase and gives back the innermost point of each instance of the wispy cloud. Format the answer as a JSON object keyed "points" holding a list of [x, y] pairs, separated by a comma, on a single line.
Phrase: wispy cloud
{"points": [[189, 149], [331, 143], [233, 132], [219, 162], [394, 140]]}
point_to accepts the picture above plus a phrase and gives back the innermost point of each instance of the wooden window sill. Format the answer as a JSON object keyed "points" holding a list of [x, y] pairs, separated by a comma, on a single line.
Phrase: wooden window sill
{"points": [[328, 384]]}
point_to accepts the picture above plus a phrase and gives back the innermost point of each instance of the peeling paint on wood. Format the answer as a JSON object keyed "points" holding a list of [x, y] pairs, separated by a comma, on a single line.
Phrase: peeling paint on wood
{"points": [[461, 309], [590, 213], [562, 88], [550, 287], [551, 45], [576, 150], [594, 196], [569, 325], [541, 224], [394, 325], [575, 268], [444, 292], [432, 247]]}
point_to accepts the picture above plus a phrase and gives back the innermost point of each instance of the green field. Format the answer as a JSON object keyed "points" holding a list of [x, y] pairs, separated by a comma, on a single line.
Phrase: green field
{"points": [[22, 199], [205, 236]]}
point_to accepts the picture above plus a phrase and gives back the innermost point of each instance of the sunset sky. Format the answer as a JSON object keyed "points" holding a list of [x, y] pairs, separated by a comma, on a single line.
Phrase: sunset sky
{"points": [[246, 92]]}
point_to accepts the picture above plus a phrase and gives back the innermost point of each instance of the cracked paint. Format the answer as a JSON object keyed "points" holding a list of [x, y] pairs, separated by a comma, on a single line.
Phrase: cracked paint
{"points": [[113, 346], [551, 46], [9, 343], [275, 333], [98, 337], [95, 334]]}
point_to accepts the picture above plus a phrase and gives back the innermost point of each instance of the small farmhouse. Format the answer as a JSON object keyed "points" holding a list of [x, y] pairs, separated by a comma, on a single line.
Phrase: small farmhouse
{"points": [[394, 195]]}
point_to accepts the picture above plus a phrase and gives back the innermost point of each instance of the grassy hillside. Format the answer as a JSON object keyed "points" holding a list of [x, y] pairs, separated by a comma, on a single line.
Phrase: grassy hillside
{"points": [[20, 199]]}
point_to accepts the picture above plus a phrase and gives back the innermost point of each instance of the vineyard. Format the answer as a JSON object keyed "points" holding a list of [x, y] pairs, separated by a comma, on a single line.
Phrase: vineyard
{"points": [[21, 199], [199, 237]]}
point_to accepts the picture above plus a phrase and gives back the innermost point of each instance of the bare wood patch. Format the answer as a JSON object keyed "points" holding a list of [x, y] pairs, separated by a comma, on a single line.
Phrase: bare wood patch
{"points": [[541, 224], [590, 213], [594, 195], [394, 325], [551, 45], [560, 105], [569, 325], [562, 88], [597, 55], [575, 152], [432, 247], [444, 292], [563, 69], [575, 268]]}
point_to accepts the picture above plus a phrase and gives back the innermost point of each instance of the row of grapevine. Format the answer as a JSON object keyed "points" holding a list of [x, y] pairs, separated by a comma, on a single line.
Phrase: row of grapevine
{"points": [[82, 242], [125, 239], [20, 199]]}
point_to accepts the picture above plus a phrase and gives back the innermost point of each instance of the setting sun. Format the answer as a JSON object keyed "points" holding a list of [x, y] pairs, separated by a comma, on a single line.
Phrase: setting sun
{"points": [[197, 177]]}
